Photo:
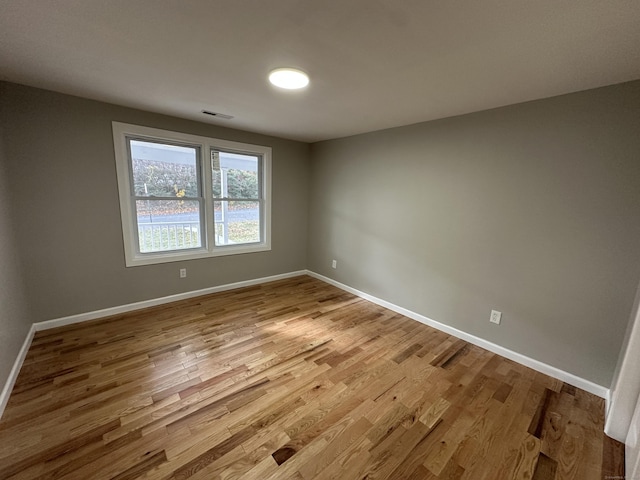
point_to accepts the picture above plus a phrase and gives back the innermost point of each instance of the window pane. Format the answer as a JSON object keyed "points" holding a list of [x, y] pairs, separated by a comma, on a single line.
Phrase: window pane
{"points": [[168, 225], [235, 175], [237, 222], [163, 170]]}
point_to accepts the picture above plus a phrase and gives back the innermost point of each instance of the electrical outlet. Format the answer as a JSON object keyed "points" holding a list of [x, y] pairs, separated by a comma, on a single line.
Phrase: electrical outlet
{"points": [[334, 264], [183, 273], [495, 317]]}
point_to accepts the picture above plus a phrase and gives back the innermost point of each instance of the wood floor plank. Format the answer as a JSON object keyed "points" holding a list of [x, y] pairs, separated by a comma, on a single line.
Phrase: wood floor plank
{"points": [[613, 458], [290, 379], [545, 468]]}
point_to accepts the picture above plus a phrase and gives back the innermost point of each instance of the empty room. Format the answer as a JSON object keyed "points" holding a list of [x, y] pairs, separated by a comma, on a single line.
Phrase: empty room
{"points": [[303, 240]]}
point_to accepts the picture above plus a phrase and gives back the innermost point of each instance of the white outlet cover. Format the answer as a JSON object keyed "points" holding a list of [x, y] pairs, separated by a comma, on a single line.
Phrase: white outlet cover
{"points": [[495, 317]]}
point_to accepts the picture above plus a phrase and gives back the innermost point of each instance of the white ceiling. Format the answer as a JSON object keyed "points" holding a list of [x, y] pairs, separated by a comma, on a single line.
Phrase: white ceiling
{"points": [[373, 63]]}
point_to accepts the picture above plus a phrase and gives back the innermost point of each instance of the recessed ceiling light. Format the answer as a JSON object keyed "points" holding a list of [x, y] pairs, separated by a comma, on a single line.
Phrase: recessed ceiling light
{"points": [[289, 78]]}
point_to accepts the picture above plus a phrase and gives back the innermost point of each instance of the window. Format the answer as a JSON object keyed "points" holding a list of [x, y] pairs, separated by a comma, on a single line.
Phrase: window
{"points": [[184, 196]]}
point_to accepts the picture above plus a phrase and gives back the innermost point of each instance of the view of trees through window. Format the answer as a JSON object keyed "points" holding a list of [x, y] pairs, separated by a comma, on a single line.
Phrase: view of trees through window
{"points": [[241, 183], [235, 177], [166, 185]]}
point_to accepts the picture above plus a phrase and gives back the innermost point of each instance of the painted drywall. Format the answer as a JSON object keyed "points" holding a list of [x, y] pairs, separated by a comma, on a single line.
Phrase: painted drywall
{"points": [[531, 209], [14, 313], [62, 175]]}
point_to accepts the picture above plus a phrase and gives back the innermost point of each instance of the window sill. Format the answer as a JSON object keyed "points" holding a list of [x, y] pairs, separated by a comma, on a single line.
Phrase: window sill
{"points": [[194, 254]]}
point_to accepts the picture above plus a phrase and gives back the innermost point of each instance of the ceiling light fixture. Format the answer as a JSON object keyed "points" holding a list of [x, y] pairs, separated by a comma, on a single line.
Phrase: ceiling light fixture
{"points": [[289, 78]]}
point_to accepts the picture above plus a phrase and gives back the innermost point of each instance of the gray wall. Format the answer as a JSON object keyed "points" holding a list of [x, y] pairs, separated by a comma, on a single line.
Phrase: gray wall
{"points": [[531, 209], [64, 195], [14, 316]]}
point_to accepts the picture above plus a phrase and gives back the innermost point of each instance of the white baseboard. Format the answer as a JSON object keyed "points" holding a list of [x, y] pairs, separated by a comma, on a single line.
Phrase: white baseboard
{"points": [[106, 312], [83, 317], [541, 367], [492, 347], [15, 370]]}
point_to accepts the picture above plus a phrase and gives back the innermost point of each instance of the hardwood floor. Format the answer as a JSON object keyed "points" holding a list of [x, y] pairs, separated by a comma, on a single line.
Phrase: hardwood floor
{"points": [[293, 379]]}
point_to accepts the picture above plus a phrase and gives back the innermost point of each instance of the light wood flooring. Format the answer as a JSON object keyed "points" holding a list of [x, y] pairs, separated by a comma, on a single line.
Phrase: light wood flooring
{"points": [[293, 379]]}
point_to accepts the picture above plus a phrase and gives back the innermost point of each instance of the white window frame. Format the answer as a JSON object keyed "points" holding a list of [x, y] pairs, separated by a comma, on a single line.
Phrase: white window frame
{"points": [[133, 257]]}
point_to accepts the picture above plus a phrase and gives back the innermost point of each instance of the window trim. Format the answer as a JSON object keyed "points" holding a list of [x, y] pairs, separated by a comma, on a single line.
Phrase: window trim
{"points": [[129, 224]]}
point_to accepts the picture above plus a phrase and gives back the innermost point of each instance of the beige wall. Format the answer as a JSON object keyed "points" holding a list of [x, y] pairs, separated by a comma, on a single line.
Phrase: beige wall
{"points": [[14, 316], [531, 209], [65, 199]]}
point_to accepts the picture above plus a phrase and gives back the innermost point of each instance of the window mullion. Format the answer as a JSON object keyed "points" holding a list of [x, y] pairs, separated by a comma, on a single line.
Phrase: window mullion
{"points": [[207, 194]]}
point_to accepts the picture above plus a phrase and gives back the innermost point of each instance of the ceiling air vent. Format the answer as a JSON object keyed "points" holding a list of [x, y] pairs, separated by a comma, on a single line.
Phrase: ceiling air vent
{"points": [[218, 115]]}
